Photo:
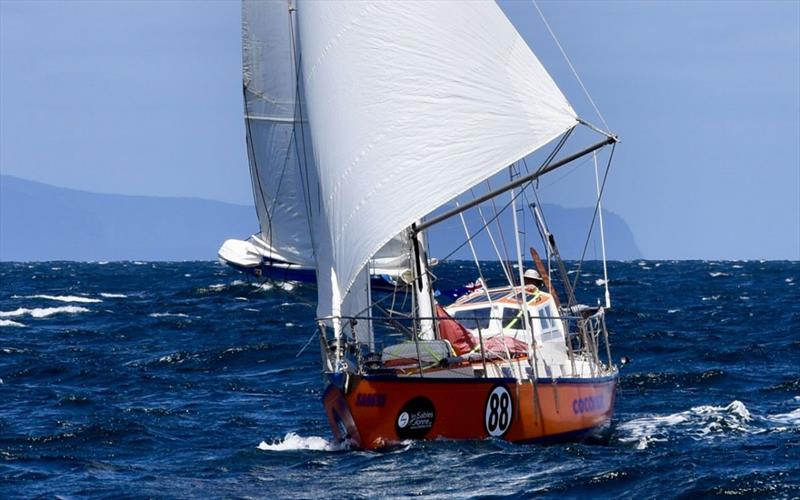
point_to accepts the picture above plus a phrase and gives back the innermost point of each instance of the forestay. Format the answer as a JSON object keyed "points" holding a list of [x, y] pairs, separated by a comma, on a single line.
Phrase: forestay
{"points": [[410, 104]]}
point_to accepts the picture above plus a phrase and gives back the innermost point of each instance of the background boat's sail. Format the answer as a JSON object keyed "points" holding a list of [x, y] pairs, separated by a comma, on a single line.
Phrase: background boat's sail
{"points": [[277, 148], [410, 104]]}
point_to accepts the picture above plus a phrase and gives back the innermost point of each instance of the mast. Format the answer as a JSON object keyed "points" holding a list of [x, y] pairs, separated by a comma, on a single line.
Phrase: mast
{"points": [[422, 286]]}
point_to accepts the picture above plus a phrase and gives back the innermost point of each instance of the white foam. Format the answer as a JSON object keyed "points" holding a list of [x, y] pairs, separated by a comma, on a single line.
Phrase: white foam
{"points": [[8, 322], [789, 280], [672, 311], [66, 298], [737, 266], [715, 275], [42, 312], [698, 423], [599, 282], [113, 295], [792, 418], [241, 298], [217, 286], [168, 315], [713, 297], [292, 442], [102, 263]]}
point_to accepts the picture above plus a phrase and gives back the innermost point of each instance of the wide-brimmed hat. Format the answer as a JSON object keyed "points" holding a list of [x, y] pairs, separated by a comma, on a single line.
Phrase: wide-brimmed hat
{"points": [[532, 274]]}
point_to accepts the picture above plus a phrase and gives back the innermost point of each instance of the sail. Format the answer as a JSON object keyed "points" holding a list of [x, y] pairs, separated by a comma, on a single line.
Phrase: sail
{"points": [[277, 148], [410, 104]]}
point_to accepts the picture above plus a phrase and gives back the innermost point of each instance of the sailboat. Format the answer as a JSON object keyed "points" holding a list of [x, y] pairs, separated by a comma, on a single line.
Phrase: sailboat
{"points": [[280, 157], [409, 105]]}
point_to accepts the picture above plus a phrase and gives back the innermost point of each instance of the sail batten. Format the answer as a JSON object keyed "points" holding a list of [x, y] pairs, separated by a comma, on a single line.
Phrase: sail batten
{"points": [[410, 104]]}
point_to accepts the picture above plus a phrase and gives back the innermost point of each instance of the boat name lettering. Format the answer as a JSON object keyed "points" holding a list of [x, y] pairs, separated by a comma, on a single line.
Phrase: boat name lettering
{"points": [[587, 404], [367, 399]]}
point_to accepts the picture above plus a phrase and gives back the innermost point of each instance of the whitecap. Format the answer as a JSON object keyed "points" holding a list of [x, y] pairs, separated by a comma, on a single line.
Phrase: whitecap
{"points": [[716, 275], [289, 325], [292, 442], [737, 266], [700, 422], [168, 315], [744, 297], [241, 298], [102, 263], [66, 298], [113, 295], [713, 297], [287, 286], [599, 282], [8, 322], [217, 286], [138, 263], [672, 311], [251, 309], [187, 275], [789, 280], [42, 312], [792, 418]]}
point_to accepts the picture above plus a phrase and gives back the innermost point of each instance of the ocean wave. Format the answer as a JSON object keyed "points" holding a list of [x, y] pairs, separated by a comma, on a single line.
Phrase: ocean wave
{"points": [[42, 312], [113, 295], [704, 422], [293, 442], [792, 418], [718, 274], [168, 315], [698, 422], [8, 322], [66, 298]]}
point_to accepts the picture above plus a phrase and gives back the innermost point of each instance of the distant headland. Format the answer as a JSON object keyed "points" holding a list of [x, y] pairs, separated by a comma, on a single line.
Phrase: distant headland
{"points": [[43, 222]]}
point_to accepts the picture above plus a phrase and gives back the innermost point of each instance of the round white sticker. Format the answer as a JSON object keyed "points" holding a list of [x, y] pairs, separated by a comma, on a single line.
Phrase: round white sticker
{"points": [[402, 420], [499, 411]]}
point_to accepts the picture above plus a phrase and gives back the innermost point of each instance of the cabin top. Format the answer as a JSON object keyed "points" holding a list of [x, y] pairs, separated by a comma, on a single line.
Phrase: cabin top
{"points": [[507, 296]]}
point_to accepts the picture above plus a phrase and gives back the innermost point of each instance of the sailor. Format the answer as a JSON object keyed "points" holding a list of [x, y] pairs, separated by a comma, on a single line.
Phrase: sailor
{"points": [[532, 277]]}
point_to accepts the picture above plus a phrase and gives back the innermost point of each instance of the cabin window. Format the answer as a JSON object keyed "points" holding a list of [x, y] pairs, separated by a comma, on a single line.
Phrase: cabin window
{"points": [[474, 318], [513, 319], [548, 322]]}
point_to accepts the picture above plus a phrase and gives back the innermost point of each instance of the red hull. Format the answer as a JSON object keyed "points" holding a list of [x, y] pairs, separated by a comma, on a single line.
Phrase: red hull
{"points": [[373, 411]]}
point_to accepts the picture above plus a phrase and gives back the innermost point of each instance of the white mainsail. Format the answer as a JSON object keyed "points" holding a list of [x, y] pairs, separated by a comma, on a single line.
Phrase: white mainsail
{"points": [[410, 104], [278, 148]]}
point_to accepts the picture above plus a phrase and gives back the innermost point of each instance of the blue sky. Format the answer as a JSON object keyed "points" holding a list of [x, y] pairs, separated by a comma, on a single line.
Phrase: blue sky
{"points": [[144, 97]]}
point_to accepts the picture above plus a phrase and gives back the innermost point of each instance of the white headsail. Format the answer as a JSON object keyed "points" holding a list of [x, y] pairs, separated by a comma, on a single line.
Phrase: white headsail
{"points": [[278, 150], [410, 104]]}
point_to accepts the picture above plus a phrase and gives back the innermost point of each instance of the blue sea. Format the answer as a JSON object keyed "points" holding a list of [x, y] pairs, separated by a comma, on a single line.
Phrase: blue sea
{"points": [[156, 379]]}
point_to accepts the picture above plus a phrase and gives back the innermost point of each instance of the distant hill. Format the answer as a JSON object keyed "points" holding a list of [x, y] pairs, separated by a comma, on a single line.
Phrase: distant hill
{"points": [[43, 222]]}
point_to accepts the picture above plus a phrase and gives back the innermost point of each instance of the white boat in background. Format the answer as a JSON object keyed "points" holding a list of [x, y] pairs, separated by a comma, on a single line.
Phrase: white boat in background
{"points": [[281, 159]]}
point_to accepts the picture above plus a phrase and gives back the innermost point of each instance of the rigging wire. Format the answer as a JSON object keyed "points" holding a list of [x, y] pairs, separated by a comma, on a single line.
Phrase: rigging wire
{"points": [[594, 217], [571, 67], [254, 168]]}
